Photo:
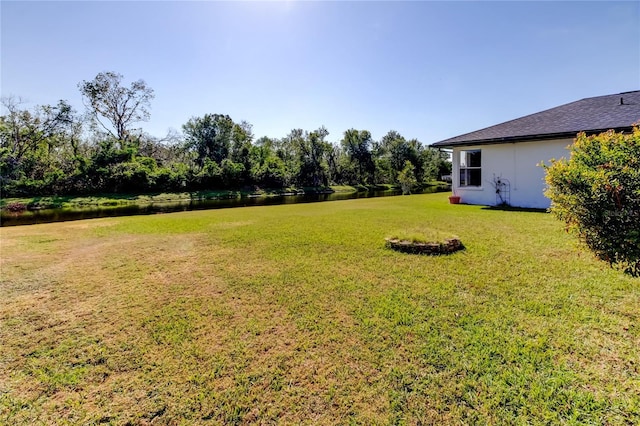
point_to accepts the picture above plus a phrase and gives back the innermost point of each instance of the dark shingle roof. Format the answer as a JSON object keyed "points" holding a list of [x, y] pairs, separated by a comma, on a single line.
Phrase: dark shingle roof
{"points": [[591, 115]]}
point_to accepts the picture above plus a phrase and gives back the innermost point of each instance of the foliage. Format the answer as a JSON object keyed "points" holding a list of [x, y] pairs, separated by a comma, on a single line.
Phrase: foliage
{"points": [[49, 150], [38, 147], [357, 146], [398, 151], [231, 173], [311, 149], [407, 178], [267, 169], [116, 107], [16, 207], [597, 193], [436, 163], [209, 137]]}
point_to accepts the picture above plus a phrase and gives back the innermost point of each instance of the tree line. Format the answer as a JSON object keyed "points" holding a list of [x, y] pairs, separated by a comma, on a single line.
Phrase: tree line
{"points": [[53, 149]]}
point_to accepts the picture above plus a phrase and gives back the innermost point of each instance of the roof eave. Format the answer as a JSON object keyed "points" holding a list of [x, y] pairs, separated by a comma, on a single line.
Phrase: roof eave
{"points": [[525, 138]]}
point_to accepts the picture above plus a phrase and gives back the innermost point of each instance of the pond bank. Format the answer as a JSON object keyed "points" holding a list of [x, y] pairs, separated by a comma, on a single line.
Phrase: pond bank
{"points": [[35, 210], [100, 200]]}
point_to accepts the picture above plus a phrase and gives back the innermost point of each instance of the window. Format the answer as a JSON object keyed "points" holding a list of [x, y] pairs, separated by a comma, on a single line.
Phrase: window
{"points": [[470, 168]]}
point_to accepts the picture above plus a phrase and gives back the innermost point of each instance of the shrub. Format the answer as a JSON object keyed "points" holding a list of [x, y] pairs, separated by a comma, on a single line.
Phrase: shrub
{"points": [[16, 207], [407, 178], [597, 194]]}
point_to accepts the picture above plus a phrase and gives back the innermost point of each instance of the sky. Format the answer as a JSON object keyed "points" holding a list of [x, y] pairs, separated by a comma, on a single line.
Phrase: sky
{"points": [[429, 70]]}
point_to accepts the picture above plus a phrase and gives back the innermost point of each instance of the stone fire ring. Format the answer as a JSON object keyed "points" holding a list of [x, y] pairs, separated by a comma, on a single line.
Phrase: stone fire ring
{"points": [[449, 246]]}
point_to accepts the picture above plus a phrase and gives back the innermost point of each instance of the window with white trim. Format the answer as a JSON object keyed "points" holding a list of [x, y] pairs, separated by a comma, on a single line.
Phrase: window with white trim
{"points": [[470, 168]]}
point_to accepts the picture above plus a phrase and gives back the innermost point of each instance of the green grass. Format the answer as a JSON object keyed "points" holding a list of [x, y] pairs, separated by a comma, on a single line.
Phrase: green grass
{"points": [[421, 234], [297, 314]]}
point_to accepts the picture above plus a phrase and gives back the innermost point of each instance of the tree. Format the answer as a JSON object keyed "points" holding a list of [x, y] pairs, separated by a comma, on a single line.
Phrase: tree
{"points": [[266, 168], [435, 163], [407, 178], [286, 149], [381, 163], [241, 143], [357, 145], [209, 136], [340, 170], [391, 147], [241, 139], [597, 194], [115, 107], [312, 148], [37, 147], [399, 151]]}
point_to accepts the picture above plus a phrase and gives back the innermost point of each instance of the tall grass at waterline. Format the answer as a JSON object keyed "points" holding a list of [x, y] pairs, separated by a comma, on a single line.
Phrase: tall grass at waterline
{"points": [[297, 314]]}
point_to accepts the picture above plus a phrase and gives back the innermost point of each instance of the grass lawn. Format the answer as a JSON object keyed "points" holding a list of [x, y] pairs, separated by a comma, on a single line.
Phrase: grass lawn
{"points": [[297, 314]]}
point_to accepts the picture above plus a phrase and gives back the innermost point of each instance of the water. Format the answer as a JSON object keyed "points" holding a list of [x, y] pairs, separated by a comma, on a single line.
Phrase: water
{"points": [[59, 215]]}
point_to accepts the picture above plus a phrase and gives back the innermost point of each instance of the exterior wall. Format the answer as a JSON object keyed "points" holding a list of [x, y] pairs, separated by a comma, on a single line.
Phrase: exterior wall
{"points": [[515, 162]]}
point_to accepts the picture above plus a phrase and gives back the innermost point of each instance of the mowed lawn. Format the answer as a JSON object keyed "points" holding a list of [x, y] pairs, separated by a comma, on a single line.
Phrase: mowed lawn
{"points": [[297, 314]]}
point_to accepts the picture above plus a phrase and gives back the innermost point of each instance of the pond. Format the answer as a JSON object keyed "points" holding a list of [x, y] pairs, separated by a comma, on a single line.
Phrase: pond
{"points": [[30, 217]]}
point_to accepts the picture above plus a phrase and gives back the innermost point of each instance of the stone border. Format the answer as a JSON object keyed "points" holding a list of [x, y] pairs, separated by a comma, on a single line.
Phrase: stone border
{"points": [[449, 246]]}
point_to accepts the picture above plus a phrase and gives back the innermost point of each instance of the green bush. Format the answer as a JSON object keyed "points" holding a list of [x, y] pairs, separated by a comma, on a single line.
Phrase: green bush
{"points": [[407, 178], [597, 194]]}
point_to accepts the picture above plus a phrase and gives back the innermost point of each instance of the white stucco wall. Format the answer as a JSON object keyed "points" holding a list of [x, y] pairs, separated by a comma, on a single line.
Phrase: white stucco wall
{"points": [[516, 162]]}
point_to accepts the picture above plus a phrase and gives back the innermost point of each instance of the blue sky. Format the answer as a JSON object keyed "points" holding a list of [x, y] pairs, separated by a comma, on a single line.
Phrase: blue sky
{"points": [[430, 70]]}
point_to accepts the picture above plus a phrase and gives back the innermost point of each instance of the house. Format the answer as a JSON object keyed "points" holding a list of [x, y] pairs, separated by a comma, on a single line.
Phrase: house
{"points": [[500, 164]]}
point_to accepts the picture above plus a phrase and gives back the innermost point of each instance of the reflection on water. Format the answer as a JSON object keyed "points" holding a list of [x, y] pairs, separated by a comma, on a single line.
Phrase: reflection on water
{"points": [[59, 215]]}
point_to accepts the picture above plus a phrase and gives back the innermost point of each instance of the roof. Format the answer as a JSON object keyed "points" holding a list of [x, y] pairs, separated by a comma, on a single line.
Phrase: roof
{"points": [[591, 115]]}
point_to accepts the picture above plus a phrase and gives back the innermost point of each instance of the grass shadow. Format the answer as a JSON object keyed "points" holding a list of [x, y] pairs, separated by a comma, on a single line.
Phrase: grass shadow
{"points": [[505, 208]]}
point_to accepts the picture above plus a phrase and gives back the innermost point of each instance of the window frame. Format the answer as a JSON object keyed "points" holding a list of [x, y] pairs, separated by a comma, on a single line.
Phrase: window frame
{"points": [[465, 168]]}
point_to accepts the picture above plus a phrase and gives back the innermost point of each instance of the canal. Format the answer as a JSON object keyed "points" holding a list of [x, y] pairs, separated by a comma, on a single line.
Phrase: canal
{"points": [[30, 217]]}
